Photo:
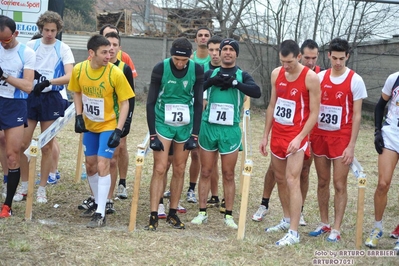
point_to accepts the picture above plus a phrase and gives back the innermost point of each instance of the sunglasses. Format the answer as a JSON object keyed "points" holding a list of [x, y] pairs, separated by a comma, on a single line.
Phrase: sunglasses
{"points": [[7, 40]]}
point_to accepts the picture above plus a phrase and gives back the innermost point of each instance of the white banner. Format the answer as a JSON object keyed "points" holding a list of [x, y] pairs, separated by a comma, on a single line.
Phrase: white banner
{"points": [[52, 130], [25, 14]]}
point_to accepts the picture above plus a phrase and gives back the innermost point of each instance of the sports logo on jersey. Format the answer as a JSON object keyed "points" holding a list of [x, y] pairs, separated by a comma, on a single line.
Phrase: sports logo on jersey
{"points": [[172, 81], [20, 119], [282, 84], [326, 86], [294, 91], [185, 82], [339, 94], [325, 95]]}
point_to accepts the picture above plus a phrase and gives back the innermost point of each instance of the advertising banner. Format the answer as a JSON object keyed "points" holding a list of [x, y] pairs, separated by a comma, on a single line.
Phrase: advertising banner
{"points": [[25, 13]]}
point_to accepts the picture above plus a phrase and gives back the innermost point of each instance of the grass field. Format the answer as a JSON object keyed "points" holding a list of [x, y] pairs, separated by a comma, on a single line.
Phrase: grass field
{"points": [[58, 236]]}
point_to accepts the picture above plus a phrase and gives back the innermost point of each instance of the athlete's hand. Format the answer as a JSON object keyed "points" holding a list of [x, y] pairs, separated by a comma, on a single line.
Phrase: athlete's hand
{"points": [[378, 141], [80, 124], [348, 155], [217, 81], [37, 75], [191, 143], [115, 138], [39, 87], [228, 82], [294, 145], [155, 143], [126, 127], [263, 146]]}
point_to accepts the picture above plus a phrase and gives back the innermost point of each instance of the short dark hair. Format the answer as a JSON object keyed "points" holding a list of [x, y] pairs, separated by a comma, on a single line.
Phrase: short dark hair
{"points": [[7, 22], [96, 41], [339, 45], [289, 47], [108, 26], [113, 35], [203, 28], [183, 43], [309, 43], [215, 40]]}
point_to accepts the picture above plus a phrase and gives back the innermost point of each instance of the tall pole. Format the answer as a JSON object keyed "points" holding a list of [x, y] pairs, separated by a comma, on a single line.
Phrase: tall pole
{"points": [[147, 15]]}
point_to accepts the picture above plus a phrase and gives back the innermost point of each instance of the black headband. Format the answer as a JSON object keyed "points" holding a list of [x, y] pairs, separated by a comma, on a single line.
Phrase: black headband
{"points": [[180, 52]]}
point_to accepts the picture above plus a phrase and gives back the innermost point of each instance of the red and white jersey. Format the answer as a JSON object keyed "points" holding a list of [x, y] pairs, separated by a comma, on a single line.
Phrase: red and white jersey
{"points": [[291, 110], [336, 105]]}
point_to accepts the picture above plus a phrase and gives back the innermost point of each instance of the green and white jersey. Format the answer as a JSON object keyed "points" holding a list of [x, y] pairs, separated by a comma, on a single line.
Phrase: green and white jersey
{"points": [[175, 100], [224, 106], [201, 61]]}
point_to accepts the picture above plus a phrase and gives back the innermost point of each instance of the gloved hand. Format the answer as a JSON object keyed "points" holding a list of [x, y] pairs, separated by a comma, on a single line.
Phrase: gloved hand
{"points": [[378, 141], [37, 75], [126, 127], [228, 82], [215, 81], [80, 124], [155, 143], [1, 72], [115, 138], [191, 143], [39, 87]]}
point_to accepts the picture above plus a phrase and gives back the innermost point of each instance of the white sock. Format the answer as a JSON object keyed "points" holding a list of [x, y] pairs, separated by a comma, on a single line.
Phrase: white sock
{"points": [[93, 182], [24, 184], [287, 220], [378, 224], [104, 183], [294, 233], [323, 224], [40, 189], [52, 175]]}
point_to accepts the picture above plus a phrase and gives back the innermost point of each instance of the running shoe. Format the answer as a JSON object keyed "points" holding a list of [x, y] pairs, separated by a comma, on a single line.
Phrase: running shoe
{"points": [[97, 221], [395, 233], [109, 207], [21, 194], [161, 211], [212, 202], [288, 240], [191, 196], [201, 218], [181, 209], [175, 222], [41, 196], [321, 229], [283, 226], [334, 236], [5, 211], [121, 192], [229, 221], [302, 220], [153, 224], [260, 213], [374, 237], [222, 208], [87, 203]]}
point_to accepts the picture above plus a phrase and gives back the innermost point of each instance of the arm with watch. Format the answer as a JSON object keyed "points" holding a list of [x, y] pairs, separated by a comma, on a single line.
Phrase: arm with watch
{"points": [[24, 84], [248, 86]]}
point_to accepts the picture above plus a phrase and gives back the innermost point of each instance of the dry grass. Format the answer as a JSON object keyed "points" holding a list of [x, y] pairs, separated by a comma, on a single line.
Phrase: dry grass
{"points": [[59, 236]]}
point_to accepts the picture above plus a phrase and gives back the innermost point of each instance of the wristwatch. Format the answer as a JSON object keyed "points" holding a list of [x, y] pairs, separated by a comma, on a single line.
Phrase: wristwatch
{"points": [[234, 83], [5, 76]]}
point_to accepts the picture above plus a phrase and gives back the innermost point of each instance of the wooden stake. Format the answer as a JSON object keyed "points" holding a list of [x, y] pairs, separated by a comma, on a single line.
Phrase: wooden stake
{"points": [[79, 160], [33, 152], [141, 152]]}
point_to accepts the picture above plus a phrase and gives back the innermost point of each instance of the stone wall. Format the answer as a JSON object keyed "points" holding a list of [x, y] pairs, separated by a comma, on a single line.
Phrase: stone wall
{"points": [[374, 61]]}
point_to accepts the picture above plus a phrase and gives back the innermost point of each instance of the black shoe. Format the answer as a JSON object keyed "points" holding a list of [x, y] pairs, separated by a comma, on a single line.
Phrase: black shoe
{"points": [[97, 221], [90, 211], [174, 221], [212, 202], [152, 226], [109, 207], [222, 207], [86, 204]]}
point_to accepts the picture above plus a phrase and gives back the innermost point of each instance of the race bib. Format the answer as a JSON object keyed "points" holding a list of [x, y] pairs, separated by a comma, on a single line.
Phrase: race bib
{"points": [[45, 74], [221, 113], [6, 89], [177, 114], [330, 117], [93, 108], [284, 111]]}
